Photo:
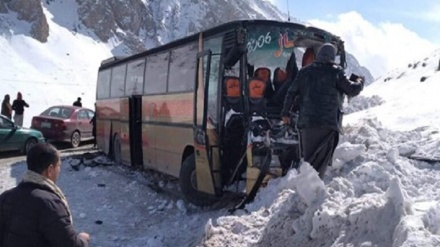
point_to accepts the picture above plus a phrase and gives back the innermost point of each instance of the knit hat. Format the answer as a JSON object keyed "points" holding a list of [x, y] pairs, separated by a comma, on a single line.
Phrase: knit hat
{"points": [[326, 53]]}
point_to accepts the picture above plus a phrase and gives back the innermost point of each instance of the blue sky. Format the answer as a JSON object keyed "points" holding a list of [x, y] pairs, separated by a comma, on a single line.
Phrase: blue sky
{"points": [[392, 31]]}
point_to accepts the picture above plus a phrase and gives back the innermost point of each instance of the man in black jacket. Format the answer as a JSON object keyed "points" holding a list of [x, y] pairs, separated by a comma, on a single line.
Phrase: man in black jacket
{"points": [[18, 106], [36, 213], [319, 90], [78, 102]]}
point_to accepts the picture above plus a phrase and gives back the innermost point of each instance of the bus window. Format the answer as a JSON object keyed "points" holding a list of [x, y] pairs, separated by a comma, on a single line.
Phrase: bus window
{"points": [[214, 45], [118, 81], [270, 47], [135, 78], [182, 68], [156, 73], [103, 87]]}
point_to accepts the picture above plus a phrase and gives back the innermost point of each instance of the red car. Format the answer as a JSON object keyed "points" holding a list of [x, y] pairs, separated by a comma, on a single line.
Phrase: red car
{"points": [[65, 124]]}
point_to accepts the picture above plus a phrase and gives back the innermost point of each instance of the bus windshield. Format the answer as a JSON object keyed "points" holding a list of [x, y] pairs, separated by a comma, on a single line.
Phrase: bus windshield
{"points": [[269, 46]]}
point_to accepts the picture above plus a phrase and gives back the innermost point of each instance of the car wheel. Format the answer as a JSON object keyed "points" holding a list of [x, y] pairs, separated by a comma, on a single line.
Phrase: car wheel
{"points": [[75, 139], [29, 144], [188, 184], [117, 154]]}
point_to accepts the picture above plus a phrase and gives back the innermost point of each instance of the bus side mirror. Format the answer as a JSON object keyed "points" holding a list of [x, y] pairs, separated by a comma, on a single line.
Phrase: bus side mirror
{"points": [[234, 46], [234, 55]]}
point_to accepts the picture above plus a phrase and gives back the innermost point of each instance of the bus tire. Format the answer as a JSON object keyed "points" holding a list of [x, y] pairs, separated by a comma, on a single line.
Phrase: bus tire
{"points": [[117, 153], [188, 184]]}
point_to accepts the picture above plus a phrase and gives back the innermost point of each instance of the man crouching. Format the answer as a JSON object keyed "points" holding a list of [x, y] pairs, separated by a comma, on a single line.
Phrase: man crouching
{"points": [[36, 213]]}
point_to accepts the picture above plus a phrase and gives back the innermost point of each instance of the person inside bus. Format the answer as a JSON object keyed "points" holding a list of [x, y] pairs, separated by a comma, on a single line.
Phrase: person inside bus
{"points": [[283, 85], [319, 91], [93, 123], [308, 57]]}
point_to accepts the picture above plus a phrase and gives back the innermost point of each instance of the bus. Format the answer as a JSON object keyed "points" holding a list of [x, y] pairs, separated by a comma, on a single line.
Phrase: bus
{"points": [[206, 108]]}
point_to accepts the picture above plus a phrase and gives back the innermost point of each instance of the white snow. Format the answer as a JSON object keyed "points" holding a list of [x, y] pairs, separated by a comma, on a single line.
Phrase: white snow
{"points": [[53, 73], [373, 195]]}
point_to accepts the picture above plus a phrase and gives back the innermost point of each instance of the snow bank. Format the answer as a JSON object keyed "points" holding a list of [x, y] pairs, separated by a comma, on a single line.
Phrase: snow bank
{"points": [[368, 199]]}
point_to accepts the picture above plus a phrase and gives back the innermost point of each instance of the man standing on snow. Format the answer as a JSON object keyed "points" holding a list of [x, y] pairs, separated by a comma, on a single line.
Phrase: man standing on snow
{"points": [[36, 213], [319, 90], [18, 106]]}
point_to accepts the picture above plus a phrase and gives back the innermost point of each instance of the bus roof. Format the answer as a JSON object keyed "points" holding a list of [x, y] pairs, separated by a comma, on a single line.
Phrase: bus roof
{"points": [[112, 61]]}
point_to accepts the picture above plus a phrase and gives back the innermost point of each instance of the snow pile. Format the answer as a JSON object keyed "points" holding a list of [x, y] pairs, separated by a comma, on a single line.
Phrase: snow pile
{"points": [[361, 102], [368, 199], [375, 194]]}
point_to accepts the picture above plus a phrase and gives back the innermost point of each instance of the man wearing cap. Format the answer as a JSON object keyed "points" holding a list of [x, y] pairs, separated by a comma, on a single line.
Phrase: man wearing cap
{"points": [[319, 90]]}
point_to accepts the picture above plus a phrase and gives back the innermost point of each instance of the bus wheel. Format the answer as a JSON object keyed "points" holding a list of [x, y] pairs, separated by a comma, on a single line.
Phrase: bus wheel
{"points": [[188, 184], [117, 154]]}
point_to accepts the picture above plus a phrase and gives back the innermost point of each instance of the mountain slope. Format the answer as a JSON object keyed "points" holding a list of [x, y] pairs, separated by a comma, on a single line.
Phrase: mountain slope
{"points": [[419, 83]]}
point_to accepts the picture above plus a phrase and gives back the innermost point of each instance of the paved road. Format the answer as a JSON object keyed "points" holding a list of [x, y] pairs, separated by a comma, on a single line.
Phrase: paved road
{"points": [[9, 158]]}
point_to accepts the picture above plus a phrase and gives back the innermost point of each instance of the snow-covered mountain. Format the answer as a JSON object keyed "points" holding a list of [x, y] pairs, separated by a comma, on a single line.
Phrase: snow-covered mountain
{"points": [[127, 26], [59, 44], [135, 25]]}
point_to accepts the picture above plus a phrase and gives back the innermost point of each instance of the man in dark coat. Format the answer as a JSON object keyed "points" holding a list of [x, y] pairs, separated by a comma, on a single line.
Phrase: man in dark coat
{"points": [[78, 102], [18, 106], [93, 122], [36, 213], [319, 90]]}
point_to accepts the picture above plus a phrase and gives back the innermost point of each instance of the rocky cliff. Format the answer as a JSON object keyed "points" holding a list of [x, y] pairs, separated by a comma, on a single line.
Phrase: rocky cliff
{"points": [[142, 24], [30, 11]]}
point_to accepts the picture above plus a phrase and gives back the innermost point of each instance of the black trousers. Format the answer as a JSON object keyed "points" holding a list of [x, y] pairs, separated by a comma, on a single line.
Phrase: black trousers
{"points": [[318, 146]]}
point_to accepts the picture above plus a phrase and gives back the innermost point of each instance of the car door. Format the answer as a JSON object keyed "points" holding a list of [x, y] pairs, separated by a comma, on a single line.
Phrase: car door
{"points": [[9, 139], [84, 125]]}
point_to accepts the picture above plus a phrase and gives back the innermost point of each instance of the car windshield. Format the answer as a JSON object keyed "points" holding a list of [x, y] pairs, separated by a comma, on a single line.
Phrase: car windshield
{"points": [[59, 112]]}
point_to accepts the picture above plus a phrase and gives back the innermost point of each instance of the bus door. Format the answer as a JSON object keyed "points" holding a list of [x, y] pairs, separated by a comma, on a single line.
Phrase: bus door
{"points": [[135, 129], [121, 141], [206, 172], [148, 144], [129, 136]]}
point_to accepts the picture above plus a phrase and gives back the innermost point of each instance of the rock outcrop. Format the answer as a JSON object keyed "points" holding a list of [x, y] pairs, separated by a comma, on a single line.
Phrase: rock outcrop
{"points": [[30, 11]]}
